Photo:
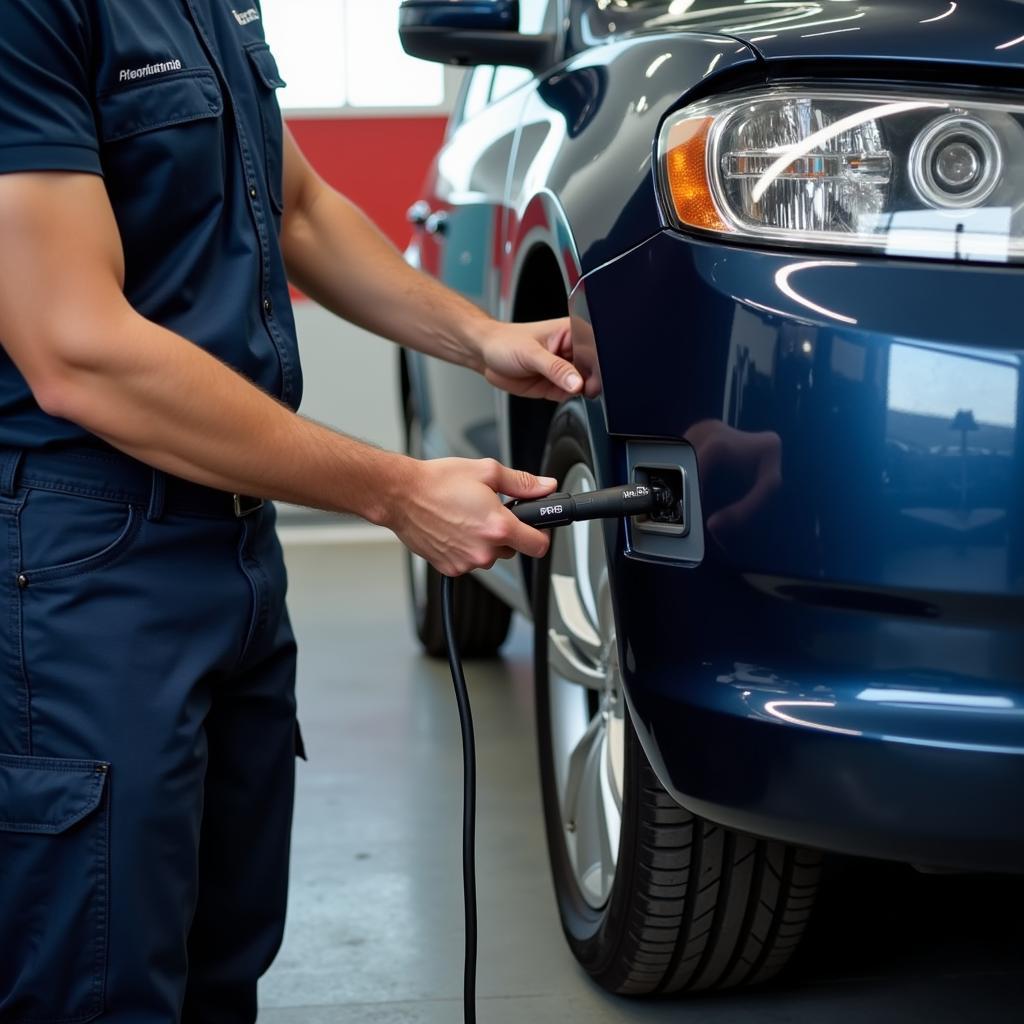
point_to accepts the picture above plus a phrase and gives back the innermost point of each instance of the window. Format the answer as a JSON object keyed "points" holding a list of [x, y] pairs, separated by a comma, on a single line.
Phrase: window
{"points": [[336, 53]]}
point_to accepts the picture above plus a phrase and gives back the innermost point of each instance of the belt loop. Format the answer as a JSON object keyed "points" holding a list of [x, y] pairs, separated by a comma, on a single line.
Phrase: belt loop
{"points": [[157, 493], [10, 462]]}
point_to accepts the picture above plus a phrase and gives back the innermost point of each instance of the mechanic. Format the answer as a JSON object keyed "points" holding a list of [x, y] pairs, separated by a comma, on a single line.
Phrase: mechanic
{"points": [[153, 209]]}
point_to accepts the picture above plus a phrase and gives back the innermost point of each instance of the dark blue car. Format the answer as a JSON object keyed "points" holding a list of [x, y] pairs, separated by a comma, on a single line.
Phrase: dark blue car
{"points": [[791, 237]]}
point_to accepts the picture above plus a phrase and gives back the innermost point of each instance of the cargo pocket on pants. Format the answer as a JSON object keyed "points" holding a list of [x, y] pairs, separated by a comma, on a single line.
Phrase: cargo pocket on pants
{"points": [[54, 868]]}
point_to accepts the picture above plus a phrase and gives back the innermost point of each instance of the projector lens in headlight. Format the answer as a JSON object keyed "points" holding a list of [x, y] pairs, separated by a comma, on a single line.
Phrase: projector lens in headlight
{"points": [[917, 176], [956, 162]]}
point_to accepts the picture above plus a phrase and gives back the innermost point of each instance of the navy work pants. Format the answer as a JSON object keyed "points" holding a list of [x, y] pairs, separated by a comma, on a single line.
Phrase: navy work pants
{"points": [[147, 745]]}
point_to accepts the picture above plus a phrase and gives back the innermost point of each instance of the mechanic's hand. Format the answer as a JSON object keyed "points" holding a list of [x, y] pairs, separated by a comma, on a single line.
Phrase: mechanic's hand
{"points": [[531, 360], [452, 516]]}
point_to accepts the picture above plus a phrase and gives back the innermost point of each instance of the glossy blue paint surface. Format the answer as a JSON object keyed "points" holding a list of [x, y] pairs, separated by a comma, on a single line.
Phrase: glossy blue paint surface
{"points": [[865, 370], [868, 731], [976, 32], [846, 668]]}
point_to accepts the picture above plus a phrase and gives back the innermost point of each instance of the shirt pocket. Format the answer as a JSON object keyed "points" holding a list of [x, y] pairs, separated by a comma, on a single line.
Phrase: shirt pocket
{"points": [[268, 81], [53, 889], [164, 156], [163, 102]]}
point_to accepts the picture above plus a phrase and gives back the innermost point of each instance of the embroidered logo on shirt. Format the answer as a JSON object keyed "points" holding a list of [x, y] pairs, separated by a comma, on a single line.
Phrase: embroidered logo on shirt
{"points": [[131, 74], [246, 17]]}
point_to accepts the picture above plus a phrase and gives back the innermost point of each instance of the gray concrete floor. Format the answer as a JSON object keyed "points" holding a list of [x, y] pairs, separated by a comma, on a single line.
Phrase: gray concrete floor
{"points": [[375, 926]]}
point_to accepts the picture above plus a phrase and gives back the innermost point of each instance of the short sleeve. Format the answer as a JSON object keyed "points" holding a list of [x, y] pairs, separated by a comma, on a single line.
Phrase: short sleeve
{"points": [[46, 117]]}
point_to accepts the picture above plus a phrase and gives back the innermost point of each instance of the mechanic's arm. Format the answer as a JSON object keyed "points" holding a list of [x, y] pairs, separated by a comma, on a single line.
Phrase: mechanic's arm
{"points": [[338, 257], [89, 357]]}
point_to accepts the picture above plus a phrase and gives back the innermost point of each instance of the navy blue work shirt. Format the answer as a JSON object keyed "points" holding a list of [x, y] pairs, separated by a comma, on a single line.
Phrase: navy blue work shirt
{"points": [[174, 103]]}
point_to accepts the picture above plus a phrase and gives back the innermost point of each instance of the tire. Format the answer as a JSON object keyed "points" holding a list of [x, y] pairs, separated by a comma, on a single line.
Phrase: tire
{"points": [[482, 620], [677, 903]]}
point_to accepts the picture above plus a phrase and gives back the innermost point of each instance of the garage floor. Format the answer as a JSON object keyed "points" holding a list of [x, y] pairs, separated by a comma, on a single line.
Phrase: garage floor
{"points": [[375, 929]]}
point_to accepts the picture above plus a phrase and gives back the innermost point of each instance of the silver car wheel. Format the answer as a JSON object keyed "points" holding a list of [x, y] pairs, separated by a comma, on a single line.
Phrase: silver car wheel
{"points": [[586, 703]]}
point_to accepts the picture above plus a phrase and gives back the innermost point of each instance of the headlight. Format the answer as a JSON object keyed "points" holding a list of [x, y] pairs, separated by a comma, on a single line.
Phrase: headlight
{"points": [[911, 176]]}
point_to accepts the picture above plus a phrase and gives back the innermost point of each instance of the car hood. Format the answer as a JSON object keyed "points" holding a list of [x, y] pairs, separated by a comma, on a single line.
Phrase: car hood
{"points": [[979, 32]]}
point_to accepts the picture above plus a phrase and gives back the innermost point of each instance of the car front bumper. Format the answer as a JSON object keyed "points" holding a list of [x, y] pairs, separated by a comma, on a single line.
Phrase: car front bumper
{"points": [[845, 666]]}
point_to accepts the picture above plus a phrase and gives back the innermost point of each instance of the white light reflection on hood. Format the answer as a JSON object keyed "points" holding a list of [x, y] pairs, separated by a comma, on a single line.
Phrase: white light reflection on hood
{"points": [[772, 707]]}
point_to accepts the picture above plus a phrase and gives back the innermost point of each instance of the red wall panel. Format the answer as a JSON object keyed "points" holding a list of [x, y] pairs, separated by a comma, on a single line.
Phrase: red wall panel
{"points": [[380, 163]]}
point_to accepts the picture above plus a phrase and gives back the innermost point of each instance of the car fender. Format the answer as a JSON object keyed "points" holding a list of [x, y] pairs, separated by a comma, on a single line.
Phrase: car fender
{"points": [[542, 223], [587, 136]]}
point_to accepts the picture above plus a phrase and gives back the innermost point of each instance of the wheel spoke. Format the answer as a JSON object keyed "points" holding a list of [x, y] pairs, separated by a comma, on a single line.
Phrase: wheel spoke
{"points": [[585, 571], [592, 814], [574, 586], [565, 659], [608, 823], [584, 770], [575, 650], [596, 567]]}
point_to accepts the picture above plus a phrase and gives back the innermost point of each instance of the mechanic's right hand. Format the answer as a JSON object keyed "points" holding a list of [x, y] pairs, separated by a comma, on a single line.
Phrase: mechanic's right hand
{"points": [[451, 514]]}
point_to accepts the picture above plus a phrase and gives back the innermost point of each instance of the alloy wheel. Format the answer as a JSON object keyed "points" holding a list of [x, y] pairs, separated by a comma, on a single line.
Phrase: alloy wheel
{"points": [[585, 698]]}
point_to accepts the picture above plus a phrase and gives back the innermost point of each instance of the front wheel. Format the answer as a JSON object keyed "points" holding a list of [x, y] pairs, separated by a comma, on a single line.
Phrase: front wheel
{"points": [[652, 898]]}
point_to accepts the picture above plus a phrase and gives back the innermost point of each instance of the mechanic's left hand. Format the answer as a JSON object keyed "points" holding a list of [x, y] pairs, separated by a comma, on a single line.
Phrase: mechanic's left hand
{"points": [[532, 360]]}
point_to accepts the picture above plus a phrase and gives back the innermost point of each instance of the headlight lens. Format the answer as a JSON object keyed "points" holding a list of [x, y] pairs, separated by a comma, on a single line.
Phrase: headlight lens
{"points": [[912, 176]]}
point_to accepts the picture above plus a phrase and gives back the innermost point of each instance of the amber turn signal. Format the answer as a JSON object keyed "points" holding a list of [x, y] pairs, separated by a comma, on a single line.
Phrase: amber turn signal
{"points": [[686, 174]]}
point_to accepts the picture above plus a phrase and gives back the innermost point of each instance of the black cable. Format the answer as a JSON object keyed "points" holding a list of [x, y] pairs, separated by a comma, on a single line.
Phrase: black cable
{"points": [[555, 510], [468, 797]]}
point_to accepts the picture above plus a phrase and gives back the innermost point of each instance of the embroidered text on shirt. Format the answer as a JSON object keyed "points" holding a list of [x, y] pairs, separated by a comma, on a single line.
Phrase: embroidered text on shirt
{"points": [[246, 17], [130, 74]]}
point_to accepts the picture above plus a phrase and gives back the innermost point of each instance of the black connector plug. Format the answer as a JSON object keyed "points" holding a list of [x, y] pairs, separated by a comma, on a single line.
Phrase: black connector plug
{"points": [[669, 516], [612, 503]]}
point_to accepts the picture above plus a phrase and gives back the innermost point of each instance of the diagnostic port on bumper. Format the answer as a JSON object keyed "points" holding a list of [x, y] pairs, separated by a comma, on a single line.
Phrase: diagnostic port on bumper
{"points": [[671, 516]]}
